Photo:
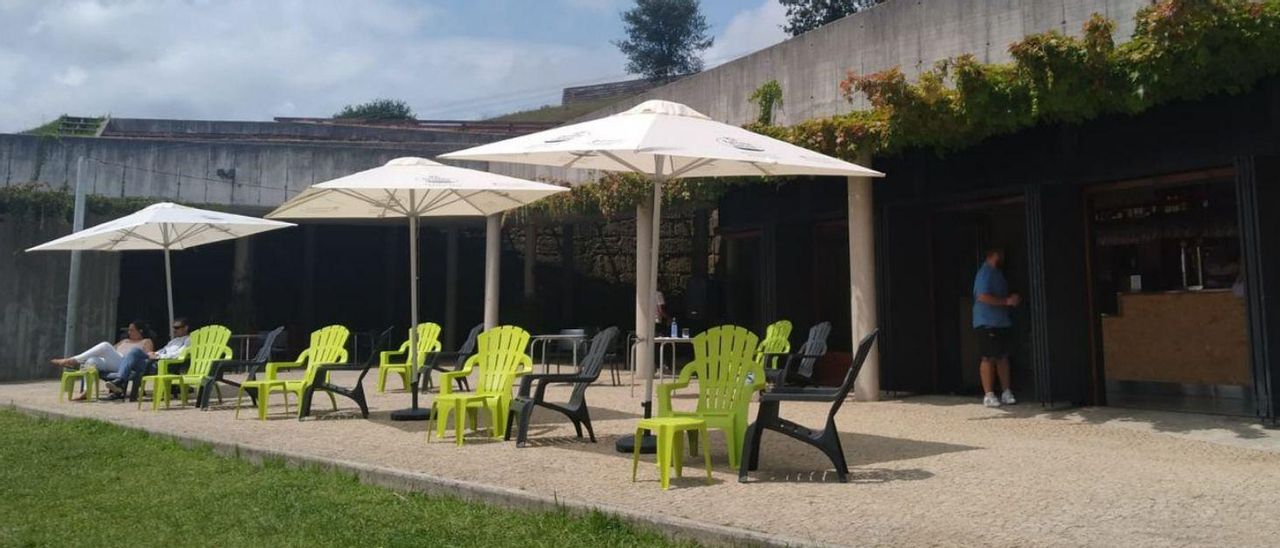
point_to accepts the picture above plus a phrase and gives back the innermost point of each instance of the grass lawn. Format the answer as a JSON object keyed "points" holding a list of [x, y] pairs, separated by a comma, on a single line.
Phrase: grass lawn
{"points": [[89, 483]]}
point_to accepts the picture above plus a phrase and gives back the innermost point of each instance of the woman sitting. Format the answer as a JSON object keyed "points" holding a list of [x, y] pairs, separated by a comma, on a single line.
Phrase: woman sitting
{"points": [[107, 357]]}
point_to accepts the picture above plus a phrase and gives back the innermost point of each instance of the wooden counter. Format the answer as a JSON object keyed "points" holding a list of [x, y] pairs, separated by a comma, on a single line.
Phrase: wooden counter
{"points": [[1183, 337]]}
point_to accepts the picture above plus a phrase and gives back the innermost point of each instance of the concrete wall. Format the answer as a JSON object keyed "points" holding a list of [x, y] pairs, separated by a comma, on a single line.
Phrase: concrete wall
{"points": [[188, 171], [911, 34], [33, 296]]}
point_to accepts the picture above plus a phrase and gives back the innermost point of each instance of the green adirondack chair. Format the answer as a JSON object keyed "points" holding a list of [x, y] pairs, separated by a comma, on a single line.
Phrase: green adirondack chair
{"points": [[208, 344], [328, 346], [777, 341], [500, 358], [397, 361], [723, 361]]}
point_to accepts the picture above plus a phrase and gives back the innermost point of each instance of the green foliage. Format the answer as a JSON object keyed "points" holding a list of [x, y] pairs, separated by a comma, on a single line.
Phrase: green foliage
{"points": [[40, 200], [767, 96], [664, 38], [59, 475], [806, 15], [377, 110], [1181, 49]]}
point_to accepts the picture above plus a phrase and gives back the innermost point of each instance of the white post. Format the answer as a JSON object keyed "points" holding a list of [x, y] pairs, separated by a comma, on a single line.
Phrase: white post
{"points": [[862, 279], [492, 258], [168, 282], [644, 291], [73, 281], [651, 306]]}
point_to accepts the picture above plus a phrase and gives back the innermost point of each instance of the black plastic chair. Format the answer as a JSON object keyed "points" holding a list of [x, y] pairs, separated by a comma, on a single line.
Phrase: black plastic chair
{"points": [[798, 368], [576, 409], [355, 392], [220, 368], [828, 439], [458, 358]]}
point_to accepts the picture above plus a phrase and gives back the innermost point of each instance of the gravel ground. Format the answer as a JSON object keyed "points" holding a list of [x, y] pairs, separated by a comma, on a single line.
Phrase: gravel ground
{"points": [[935, 471]]}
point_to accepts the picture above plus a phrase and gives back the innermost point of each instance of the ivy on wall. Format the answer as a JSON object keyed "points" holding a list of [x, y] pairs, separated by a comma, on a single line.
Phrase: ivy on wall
{"points": [[38, 199], [1180, 50]]}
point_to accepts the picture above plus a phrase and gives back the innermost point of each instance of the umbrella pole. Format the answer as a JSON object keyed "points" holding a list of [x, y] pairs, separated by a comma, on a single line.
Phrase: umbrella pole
{"points": [[413, 413], [646, 331], [168, 283]]}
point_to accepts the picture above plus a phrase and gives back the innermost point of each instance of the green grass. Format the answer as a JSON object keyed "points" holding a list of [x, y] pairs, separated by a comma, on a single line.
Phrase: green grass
{"points": [[89, 483], [559, 113]]}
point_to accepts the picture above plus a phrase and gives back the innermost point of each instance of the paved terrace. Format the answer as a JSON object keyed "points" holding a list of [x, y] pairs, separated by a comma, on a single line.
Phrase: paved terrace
{"points": [[925, 470]]}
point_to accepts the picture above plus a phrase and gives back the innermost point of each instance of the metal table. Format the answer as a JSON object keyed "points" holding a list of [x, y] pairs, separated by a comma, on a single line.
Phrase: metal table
{"points": [[661, 343], [576, 338]]}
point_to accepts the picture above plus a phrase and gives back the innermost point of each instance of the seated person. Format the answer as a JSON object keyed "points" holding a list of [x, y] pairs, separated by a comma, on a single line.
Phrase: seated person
{"points": [[137, 360], [105, 357]]}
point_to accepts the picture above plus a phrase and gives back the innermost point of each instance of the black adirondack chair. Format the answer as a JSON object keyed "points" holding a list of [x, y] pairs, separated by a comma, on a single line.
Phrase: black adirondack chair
{"points": [[798, 368], [459, 357], [576, 409], [828, 439], [219, 369], [354, 392]]}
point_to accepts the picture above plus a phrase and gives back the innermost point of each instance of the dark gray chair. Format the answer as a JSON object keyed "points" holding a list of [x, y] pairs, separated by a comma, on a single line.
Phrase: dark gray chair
{"points": [[221, 367], [798, 368], [354, 392], [576, 409], [826, 440], [457, 358]]}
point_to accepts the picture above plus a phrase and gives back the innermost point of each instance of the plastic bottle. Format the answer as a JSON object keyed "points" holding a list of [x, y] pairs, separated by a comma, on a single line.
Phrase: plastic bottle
{"points": [[675, 328]]}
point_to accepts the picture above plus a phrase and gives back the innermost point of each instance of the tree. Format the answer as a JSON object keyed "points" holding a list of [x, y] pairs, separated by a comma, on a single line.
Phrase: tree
{"points": [[806, 15], [377, 110], [664, 38]]}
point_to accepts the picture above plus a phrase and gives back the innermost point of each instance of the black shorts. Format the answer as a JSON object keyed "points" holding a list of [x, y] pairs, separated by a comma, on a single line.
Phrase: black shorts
{"points": [[995, 342]]}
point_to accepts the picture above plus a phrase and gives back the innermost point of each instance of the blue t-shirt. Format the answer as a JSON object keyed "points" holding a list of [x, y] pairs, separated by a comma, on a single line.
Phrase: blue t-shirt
{"points": [[990, 281]]}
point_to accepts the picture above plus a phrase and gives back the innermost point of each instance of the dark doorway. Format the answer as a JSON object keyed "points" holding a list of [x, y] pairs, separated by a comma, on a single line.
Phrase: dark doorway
{"points": [[961, 234], [744, 289]]}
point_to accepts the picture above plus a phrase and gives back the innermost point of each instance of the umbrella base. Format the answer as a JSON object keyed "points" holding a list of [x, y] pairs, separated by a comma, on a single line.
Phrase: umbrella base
{"points": [[648, 444], [411, 414]]}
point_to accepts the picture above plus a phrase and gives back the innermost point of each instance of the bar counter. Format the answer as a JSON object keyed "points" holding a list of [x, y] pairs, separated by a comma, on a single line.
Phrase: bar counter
{"points": [[1178, 336]]}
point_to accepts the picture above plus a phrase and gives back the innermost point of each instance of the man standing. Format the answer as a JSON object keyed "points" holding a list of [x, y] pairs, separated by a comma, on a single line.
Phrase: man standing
{"points": [[991, 304], [138, 360]]}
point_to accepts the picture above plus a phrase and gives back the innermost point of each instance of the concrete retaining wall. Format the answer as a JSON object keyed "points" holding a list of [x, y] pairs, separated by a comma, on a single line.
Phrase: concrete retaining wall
{"points": [[33, 296]]}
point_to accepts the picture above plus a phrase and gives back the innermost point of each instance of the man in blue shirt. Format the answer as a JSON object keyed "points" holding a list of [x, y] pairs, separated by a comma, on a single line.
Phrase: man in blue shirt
{"points": [[991, 304]]}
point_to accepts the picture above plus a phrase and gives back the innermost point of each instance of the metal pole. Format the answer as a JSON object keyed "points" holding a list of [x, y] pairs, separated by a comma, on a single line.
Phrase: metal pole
{"points": [[168, 281], [413, 295], [492, 257], [650, 310], [73, 281]]}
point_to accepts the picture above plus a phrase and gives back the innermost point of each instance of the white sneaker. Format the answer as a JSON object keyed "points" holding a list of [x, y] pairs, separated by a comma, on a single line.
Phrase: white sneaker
{"points": [[1007, 398], [990, 400]]}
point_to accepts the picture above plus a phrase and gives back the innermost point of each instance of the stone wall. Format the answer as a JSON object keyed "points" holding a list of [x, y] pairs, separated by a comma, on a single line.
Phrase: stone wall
{"points": [[33, 296]]}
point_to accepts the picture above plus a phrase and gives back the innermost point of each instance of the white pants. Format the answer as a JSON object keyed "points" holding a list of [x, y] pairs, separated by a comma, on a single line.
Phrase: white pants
{"points": [[102, 356]]}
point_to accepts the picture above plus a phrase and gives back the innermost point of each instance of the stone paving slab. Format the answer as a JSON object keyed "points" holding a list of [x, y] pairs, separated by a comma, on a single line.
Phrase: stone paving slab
{"points": [[936, 471]]}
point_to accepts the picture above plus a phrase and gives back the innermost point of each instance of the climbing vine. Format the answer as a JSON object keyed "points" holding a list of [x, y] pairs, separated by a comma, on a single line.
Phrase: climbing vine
{"points": [[1180, 50], [766, 97]]}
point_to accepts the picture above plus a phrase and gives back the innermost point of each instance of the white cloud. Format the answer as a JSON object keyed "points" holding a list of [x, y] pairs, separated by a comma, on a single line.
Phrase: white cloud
{"points": [[246, 59], [748, 31]]}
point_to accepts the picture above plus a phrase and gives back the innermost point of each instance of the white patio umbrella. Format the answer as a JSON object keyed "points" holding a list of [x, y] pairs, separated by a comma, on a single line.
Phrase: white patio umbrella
{"points": [[663, 140], [163, 226], [413, 188]]}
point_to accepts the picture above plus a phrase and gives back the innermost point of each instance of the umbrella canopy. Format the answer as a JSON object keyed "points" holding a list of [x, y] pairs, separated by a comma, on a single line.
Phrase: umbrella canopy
{"points": [[413, 188], [663, 140], [163, 226], [409, 187]]}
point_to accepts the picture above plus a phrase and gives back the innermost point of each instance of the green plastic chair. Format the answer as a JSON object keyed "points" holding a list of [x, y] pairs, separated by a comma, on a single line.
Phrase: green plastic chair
{"points": [[328, 346], [397, 361], [728, 374], [777, 340], [500, 358], [208, 344]]}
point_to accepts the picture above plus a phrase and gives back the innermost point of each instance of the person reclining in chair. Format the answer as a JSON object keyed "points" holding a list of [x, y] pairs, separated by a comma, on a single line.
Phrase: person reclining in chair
{"points": [[137, 359], [106, 357]]}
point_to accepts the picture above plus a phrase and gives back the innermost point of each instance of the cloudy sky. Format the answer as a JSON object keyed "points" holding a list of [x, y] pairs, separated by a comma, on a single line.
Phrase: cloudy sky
{"points": [[255, 59]]}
